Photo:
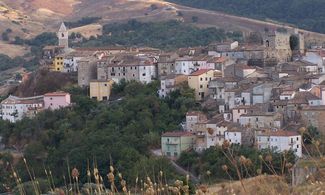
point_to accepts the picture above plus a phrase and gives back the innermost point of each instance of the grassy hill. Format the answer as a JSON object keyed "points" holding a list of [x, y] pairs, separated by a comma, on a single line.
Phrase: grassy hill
{"points": [[306, 14]]}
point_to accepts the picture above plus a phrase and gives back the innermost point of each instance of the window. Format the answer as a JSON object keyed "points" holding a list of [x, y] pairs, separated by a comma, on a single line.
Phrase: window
{"points": [[201, 79], [297, 138], [105, 85], [206, 78], [175, 153], [201, 86], [123, 74], [256, 119], [144, 74], [297, 146], [104, 97]]}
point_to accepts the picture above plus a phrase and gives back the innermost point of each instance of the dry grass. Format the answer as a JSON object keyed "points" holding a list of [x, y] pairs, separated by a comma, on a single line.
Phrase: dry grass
{"points": [[12, 50], [88, 30]]}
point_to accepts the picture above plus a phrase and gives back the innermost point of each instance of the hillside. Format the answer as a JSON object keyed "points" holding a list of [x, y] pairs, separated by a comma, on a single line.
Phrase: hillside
{"points": [[306, 14], [26, 19]]}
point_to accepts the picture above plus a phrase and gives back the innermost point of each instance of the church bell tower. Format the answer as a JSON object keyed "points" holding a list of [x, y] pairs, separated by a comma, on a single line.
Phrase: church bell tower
{"points": [[63, 36]]}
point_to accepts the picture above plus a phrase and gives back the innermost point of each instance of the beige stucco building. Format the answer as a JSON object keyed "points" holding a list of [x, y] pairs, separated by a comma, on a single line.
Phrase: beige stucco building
{"points": [[199, 81], [100, 90]]}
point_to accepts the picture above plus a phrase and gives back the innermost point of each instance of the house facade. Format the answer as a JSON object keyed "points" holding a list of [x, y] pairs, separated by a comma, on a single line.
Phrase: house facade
{"points": [[100, 90], [199, 81], [14, 108], [174, 143], [56, 100], [280, 140]]}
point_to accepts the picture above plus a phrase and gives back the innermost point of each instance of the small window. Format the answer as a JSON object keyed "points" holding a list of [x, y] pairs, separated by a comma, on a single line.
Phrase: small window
{"points": [[105, 85], [201, 79], [201, 86]]}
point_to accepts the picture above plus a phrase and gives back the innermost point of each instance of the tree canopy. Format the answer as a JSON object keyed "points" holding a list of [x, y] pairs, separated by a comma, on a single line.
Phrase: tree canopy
{"points": [[118, 133], [164, 35], [306, 14]]}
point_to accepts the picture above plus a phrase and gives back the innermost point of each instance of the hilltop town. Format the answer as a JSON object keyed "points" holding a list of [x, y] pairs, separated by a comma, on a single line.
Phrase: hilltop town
{"points": [[263, 95]]}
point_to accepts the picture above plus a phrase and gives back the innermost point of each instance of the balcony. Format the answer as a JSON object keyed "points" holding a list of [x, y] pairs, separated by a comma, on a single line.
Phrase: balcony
{"points": [[171, 142]]}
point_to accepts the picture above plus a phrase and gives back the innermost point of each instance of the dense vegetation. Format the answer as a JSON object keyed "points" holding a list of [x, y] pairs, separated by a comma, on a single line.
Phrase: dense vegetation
{"points": [[211, 163], [163, 35], [307, 14], [120, 133], [83, 21]]}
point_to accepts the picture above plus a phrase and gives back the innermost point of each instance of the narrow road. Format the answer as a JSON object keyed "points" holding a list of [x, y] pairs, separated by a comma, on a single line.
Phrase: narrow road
{"points": [[179, 169]]}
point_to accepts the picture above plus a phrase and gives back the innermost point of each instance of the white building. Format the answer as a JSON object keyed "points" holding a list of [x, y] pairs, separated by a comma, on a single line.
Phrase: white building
{"points": [[216, 128], [147, 72], [234, 136], [14, 108], [280, 140], [70, 64], [185, 66], [170, 83]]}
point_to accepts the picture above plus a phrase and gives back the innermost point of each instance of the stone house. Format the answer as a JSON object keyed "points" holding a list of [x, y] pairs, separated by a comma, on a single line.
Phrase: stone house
{"points": [[128, 67], [314, 116], [261, 120], [192, 118], [87, 71], [166, 64]]}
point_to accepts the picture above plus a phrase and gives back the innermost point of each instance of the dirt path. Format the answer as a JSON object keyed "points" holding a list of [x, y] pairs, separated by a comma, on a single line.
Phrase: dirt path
{"points": [[179, 169]]}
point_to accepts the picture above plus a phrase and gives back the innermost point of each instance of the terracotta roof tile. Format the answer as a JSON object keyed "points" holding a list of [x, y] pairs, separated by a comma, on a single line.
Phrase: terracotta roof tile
{"points": [[200, 72]]}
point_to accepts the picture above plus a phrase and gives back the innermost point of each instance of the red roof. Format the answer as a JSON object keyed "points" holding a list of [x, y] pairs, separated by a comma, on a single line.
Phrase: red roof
{"points": [[59, 93], [199, 72], [177, 134]]}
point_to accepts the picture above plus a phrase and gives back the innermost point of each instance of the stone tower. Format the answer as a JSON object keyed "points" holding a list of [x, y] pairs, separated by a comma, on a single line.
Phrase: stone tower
{"points": [[63, 36], [277, 46]]}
